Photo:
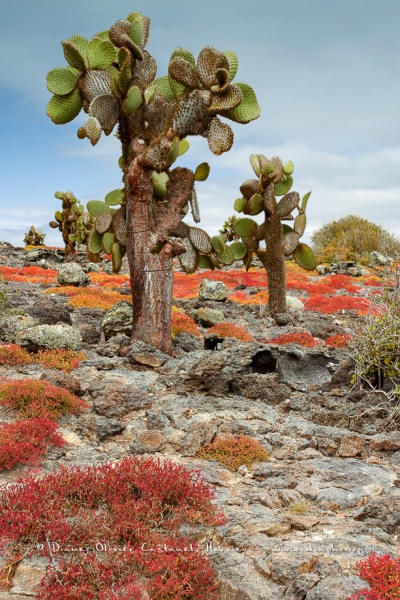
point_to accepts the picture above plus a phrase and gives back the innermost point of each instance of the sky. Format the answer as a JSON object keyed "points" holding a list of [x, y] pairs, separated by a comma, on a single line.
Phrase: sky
{"points": [[326, 74]]}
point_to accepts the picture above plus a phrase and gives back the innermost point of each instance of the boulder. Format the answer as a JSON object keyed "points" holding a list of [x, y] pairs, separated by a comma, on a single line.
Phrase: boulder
{"points": [[72, 274], [213, 290], [49, 336], [208, 317]]}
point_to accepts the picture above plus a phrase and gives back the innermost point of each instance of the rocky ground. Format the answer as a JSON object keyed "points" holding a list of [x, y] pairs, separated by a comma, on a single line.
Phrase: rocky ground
{"points": [[297, 523]]}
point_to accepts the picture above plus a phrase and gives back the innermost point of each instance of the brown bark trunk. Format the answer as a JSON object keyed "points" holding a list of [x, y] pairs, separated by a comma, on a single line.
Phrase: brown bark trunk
{"points": [[275, 265], [151, 274]]}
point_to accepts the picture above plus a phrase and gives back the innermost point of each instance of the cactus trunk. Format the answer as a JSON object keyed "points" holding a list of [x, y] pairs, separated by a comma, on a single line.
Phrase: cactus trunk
{"points": [[151, 274], [275, 265]]}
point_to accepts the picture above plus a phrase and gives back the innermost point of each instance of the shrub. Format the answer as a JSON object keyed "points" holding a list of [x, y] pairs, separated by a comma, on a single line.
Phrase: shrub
{"points": [[338, 341], [33, 398], [182, 323], [137, 504], [12, 354], [299, 508], [352, 238], [225, 330], [382, 572], [304, 339], [234, 451], [27, 441], [58, 358]]}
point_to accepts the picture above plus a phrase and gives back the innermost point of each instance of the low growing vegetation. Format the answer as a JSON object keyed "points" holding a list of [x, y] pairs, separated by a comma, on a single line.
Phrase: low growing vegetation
{"points": [[234, 451], [382, 572]]}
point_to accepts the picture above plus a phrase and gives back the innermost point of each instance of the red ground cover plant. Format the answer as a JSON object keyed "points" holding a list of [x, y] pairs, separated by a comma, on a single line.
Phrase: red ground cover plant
{"points": [[382, 572], [186, 286], [182, 323], [304, 339], [234, 451], [225, 330], [332, 304], [240, 297], [338, 341], [65, 360], [108, 281], [29, 274], [26, 441], [12, 354], [89, 297], [33, 398], [138, 504], [326, 285], [59, 358]]}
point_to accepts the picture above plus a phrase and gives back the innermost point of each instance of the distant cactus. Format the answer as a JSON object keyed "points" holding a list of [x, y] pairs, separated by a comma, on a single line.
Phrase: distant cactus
{"points": [[34, 237], [73, 222], [113, 78], [261, 195]]}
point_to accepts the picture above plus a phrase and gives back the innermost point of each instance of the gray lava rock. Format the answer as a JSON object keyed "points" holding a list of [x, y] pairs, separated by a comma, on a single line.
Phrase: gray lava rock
{"points": [[11, 325], [213, 290], [49, 311], [72, 274], [49, 336], [336, 588], [118, 319], [208, 317]]}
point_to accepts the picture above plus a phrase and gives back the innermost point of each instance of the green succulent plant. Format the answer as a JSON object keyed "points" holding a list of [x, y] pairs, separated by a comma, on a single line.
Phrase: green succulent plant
{"points": [[34, 237], [73, 221]]}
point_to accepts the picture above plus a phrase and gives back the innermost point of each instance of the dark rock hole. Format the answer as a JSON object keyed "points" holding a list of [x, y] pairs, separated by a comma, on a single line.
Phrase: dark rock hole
{"points": [[263, 362]]}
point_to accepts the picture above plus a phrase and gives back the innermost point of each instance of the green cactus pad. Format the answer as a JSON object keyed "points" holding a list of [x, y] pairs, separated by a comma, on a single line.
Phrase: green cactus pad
{"points": [[173, 152], [94, 245], [105, 109], [116, 91], [255, 205], [121, 163], [62, 81], [290, 241], [72, 237], [125, 73], [194, 206], [102, 36], [183, 146], [63, 109], [190, 259], [209, 62], [206, 262], [163, 88], [114, 197], [202, 172], [218, 243], [96, 207], [300, 223], [248, 109], [107, 241], [288, 168], [240, 204], [160, 181], [178, 89], [304, 257], [119, 226], [103, 222], [220, 137], [245, 227], [100, 54], [286, 229], [233, 63], [54, 224], [222, 77], [136, 32], [93, 130], [304, 201], [287, 204], [120, 36], [249, 188], [59, 216], [133, 100], [265, 165], [75, 52], [238, 249], [200, 240], [282, 187], [183, 53], [226, 257], [117, 254], [184, 73]]}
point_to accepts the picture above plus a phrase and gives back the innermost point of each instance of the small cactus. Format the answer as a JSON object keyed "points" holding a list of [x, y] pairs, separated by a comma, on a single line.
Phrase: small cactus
{"points": [[34, 237], [73, 221]]}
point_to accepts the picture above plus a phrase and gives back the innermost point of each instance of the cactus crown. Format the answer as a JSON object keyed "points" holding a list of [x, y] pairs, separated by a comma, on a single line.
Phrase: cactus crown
{"points": [[72, 220], [34, 237]]}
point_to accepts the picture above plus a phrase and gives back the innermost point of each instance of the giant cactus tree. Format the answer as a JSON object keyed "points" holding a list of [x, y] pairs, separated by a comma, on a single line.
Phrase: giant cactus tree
{"points": [[263, 195], [113, 79]]}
